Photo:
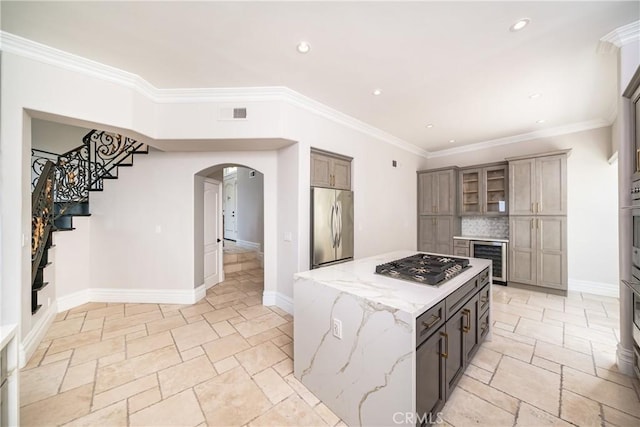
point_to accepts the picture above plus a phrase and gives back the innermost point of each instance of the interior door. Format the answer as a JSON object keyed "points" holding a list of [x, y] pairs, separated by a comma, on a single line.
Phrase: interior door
{"points": [[212, 233], [230, 208]]}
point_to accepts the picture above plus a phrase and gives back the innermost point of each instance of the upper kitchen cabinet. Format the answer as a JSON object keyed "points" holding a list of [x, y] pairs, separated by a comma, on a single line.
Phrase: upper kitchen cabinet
{"points": [[437, 192], [538, 185], [483, 191], [330, 170]]}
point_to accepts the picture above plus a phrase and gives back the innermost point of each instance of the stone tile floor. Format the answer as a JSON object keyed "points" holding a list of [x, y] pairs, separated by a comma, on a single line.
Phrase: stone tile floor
{"points": [[227, 360]]}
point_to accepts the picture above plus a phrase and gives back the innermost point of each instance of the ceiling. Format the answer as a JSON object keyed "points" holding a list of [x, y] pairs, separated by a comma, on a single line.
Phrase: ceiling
{"points": [[454, 65]]}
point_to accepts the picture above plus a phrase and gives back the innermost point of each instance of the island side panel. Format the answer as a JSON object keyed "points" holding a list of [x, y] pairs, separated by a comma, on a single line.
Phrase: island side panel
{"points": [[367, 377]]}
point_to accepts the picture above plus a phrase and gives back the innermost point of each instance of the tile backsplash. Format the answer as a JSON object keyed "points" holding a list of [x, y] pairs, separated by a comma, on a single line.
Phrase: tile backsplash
{"points": [[481, 226]]}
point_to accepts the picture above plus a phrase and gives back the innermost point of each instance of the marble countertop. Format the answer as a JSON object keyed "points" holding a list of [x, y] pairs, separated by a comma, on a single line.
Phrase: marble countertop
{"points": [[484, 238], [358, 278]]}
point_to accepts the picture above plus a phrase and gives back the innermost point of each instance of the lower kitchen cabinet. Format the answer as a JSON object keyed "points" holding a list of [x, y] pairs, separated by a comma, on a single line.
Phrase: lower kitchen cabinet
{"points": [[435, 233], [538, 251], [443, 356], [430, 382]]}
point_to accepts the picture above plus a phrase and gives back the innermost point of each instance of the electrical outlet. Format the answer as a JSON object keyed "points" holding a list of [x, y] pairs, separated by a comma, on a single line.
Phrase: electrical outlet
{"points": [[337, 328]]}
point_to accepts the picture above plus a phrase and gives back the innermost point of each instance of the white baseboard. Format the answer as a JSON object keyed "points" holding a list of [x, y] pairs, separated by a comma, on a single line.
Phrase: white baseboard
{"points": [[31, 342], [279, 300], [75, 299], [149, 296], [247, 244], [596, 288]]}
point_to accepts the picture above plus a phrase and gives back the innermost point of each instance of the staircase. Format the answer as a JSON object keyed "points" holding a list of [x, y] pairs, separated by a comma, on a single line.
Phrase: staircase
{"points": [[61, 185]]}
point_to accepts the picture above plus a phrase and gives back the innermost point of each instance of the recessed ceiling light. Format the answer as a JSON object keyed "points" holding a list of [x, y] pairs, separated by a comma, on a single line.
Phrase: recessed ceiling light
{"points": [[519, 25], [429, 126], [534, 96], [452, 140], [377, 92], [303, 47], [540, 121]]}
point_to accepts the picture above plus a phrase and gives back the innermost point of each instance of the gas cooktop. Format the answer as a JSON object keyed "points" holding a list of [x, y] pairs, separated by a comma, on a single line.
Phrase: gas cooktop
{"points": [[423, 268]]}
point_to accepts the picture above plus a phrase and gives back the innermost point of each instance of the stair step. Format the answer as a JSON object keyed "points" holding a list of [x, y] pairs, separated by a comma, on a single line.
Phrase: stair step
{"points": [[39, 286], [71, 208], [35, 310]]}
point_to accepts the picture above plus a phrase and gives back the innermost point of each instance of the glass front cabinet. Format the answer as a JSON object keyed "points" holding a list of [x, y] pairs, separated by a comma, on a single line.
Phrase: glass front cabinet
{"points": [[483, 191]]}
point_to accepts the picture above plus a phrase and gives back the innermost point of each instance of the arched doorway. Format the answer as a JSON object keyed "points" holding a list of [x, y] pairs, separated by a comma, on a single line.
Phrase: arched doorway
{"points": [[231, 250]]}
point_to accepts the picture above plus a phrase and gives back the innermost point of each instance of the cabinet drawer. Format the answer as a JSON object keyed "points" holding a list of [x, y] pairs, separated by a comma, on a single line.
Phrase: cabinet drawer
{"points": [[461, 243], [429, 322], [483, 326], [457, 251], [483, 278], [484, 296], [460, 296]]}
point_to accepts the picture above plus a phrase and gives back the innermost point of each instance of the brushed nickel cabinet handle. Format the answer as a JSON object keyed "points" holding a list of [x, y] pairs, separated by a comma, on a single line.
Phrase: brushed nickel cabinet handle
{"points": [[446, 345], [435, 320]]}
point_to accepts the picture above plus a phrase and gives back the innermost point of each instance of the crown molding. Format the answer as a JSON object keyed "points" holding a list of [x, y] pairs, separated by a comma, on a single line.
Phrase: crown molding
{"points": [[619, 37], [546, 133], [42, 53]]}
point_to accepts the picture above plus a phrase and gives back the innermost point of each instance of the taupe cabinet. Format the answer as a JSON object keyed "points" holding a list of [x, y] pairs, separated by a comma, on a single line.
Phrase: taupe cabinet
{"points": [[437, 192], [436, 232], [438, 221], [538, 186], [539, 250], [483, 191], [331, 171], [538, 221]]}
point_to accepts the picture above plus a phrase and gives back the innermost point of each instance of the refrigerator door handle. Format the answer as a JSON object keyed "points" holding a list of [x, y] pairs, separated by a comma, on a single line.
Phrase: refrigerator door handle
{"points": [[339, 228], [333, 234]]}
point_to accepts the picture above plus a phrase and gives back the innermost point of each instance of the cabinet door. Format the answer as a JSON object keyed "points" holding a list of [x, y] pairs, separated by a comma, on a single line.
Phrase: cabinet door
{"points": [[430, 388], [522, 184], [341, 170], [320, 170], [522, 250], [471, 330], [427, 234], [552, 251], [454, 343], [427, 193], [551, 185], [444, 234], [446, 190], [495, 186], [470, 194]]}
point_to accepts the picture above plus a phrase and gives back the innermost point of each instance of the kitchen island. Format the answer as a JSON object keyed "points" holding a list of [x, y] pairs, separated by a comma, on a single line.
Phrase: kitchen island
{"points": [[383, 351]]}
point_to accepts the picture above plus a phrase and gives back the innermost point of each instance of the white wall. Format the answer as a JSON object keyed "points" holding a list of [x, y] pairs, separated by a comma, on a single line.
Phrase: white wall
{"points": [[250, 206], [143, 224], [56, 137], [592, 198]]}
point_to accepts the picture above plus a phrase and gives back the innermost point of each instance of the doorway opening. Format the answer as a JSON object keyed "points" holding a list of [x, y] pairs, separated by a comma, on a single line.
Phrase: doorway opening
{"points": [[233, 215]]}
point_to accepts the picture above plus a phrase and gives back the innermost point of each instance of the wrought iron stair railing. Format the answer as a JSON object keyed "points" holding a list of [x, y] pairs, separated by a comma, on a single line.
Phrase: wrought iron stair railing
{"points": [[61, 185], [41, 226]]}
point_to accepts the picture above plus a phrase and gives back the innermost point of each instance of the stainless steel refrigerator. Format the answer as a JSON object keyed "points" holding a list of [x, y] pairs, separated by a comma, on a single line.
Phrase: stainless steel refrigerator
{"points": [[331, 226]]}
